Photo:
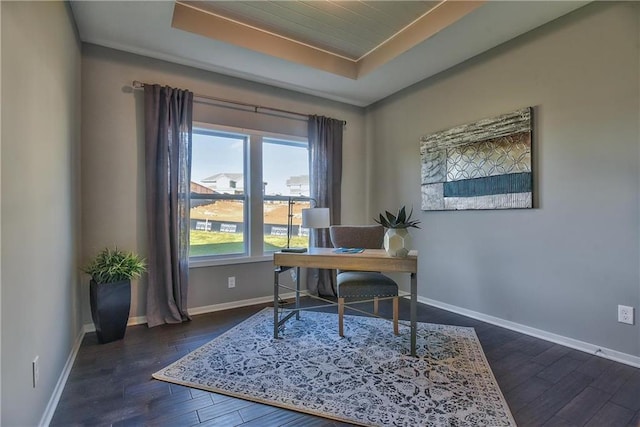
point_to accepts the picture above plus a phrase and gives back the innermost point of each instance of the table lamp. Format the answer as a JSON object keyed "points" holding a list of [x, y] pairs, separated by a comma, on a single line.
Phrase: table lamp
{"points": [[311, 218], [315, 218]]}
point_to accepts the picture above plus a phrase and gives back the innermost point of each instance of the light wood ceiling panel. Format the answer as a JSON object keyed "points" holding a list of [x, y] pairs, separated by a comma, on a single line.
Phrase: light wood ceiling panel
{"points": [[346, 28]]}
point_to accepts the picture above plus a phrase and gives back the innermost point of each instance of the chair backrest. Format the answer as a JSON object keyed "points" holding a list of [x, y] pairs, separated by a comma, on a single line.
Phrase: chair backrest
{"points": [[357, 236]]}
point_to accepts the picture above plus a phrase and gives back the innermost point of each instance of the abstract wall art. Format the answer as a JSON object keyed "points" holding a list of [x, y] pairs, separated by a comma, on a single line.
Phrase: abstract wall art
{"points": [[480, 165]]}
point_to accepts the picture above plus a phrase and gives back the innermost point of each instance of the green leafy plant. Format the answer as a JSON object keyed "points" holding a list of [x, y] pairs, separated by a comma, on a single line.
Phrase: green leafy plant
{"points": [[401, 220], [115, 265]]}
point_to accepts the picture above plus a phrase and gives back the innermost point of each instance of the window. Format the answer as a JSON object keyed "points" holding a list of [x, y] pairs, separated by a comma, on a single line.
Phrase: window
{"points": [[218, 199], [285, 175], [228, 190]]}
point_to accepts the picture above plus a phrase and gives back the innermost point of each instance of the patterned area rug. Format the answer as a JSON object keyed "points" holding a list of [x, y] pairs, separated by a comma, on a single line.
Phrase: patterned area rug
{"points": [[366, 378]]}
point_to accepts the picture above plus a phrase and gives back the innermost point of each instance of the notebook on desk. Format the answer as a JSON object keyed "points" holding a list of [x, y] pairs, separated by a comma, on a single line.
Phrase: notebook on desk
{"points": [[349, 250]]}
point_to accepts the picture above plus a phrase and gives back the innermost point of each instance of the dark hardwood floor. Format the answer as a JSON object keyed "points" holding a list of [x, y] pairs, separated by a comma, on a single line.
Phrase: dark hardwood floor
{"points": [[545, 384]]}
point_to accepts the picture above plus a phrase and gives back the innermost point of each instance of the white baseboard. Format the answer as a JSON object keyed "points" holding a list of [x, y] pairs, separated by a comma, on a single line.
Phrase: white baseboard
{"points": [[62, 381], [597, 350], [617, 356], [140, 320], [235, 304]]}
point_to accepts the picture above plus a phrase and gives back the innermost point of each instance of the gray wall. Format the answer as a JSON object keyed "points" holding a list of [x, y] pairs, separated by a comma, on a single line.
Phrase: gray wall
{"points": [[40, 205], [566, 265], [0, 217], [113, 166]]}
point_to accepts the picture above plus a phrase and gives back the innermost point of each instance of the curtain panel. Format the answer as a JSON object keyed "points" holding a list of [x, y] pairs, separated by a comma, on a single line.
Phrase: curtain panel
{"points": [[168, 133], [325, 164]]}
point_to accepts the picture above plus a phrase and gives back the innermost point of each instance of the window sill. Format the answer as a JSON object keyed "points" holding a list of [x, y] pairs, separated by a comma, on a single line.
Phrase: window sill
{"points": [[212, 262]]}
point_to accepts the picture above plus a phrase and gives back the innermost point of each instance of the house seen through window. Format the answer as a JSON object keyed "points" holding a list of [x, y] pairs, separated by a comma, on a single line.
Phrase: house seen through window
{"points": [[221, 185]]}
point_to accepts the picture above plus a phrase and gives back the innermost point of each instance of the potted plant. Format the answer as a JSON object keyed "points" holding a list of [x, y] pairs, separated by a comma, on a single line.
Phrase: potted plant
{"points": [[397, 240], [111, 272]]}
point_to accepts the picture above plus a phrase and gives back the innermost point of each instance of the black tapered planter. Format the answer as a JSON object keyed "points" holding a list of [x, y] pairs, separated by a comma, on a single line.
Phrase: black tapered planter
{"points": [[110, 304]]}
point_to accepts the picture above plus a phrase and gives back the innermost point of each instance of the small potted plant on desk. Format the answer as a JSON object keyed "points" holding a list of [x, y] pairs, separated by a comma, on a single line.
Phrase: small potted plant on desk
{"points": [[111, 272], [397, 240]]}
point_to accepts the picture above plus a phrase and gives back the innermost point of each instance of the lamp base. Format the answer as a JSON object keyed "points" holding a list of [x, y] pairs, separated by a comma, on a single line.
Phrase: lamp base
{"points": [[295, 250]]}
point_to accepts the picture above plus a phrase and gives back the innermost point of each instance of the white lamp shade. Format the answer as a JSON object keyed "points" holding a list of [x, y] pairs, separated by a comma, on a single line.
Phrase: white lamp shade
{"points": [[315, 218]]}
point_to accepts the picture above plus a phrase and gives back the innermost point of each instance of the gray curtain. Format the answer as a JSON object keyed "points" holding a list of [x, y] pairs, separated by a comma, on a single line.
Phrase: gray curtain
{"points": [[168, 128], [325, 163]]}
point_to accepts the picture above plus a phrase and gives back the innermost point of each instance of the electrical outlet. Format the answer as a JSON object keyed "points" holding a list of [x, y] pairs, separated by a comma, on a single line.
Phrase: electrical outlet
{"points": [[625, 314], [35, 371], [232, 281]]}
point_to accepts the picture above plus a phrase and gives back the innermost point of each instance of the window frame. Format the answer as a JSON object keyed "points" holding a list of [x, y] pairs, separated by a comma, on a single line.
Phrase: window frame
{"points": [[253, 195]]}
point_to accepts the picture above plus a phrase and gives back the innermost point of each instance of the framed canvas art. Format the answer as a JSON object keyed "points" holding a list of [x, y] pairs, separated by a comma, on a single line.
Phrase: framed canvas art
{"points": [[480, 165]]}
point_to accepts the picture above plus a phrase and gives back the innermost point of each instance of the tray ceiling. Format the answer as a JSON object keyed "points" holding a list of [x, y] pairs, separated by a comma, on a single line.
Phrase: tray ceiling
{"points": [[356, 52]]}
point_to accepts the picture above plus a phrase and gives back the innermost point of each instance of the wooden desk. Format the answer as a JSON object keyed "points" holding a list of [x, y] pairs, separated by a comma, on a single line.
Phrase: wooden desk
{"points": [[369, 260]]}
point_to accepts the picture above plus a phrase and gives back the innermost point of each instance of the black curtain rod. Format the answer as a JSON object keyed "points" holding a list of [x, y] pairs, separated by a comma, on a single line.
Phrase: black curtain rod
{"points": [[139, 85]]}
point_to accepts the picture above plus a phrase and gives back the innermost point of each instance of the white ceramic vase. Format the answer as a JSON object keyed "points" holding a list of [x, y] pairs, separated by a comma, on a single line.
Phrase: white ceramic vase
{"points": [[397, 242]]}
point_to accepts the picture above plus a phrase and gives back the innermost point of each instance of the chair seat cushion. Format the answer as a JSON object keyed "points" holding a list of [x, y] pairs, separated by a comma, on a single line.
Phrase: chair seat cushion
{"points": [[365, 284]]}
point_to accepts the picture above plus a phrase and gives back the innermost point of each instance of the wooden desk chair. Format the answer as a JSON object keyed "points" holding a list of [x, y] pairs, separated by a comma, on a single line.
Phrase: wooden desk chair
{"points": [[362, 284]]}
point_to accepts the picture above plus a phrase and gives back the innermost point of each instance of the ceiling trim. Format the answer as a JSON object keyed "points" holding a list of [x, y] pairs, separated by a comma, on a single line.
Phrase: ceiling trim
{"points": [[205, 23], [434, 20]]}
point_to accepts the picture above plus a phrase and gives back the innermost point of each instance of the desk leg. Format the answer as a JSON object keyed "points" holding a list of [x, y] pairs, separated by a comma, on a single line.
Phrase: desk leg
{"points": [[276, 299], [414, 312], [297, 293]]}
